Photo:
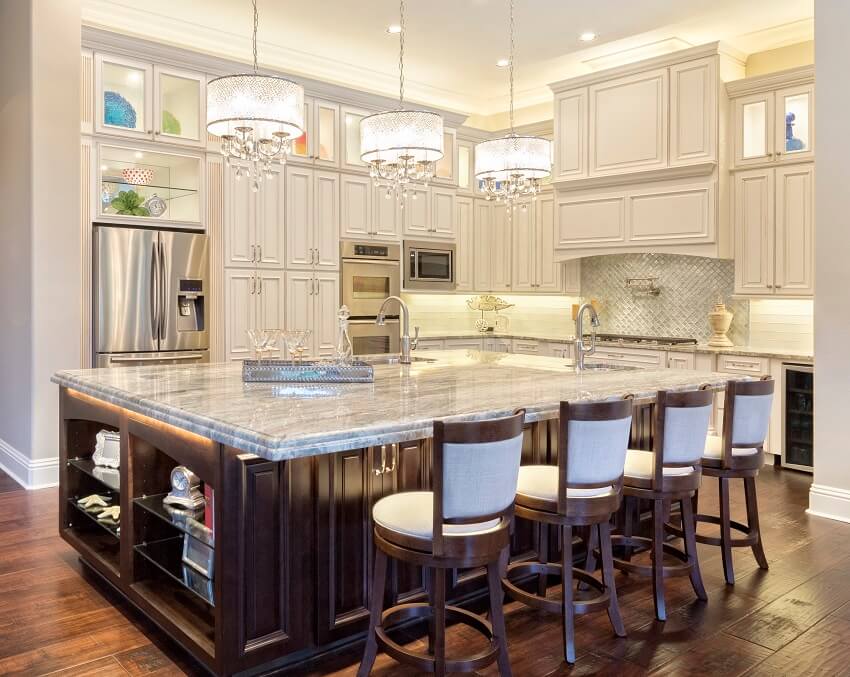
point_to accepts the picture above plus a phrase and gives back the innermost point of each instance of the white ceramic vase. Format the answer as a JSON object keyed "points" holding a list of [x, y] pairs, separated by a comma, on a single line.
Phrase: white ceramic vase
{"points": [[719, 320]]}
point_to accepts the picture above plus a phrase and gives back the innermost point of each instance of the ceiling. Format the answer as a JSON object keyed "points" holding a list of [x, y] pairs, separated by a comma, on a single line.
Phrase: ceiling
{"points": [[452, 45]]}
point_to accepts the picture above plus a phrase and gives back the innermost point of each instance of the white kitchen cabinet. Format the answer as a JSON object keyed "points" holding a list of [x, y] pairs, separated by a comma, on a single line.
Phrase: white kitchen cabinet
{"points": [[425, 345], [443, 212], [465, 246], [312, 301], [524, 250], [497, 345], [693, 111], [637, 357], [464, 344], [446, 168], [557, 349], [312, 218], [430, 212], [570, 135], [465, 167], [350, 138], [386, 216], [356, 196], [795, 106], [628, 123], [319, 145], [774, 231], [533, 258], [526, 347], [254, 222], [180, 106], [571, 271], [416, 210], [253, 299], [492, 260], [681, 360], [754, 129]]}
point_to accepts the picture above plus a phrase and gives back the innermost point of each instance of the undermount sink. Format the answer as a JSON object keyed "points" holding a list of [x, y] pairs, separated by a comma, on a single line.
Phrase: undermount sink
{"points": [[391, 359], [602, 366]]}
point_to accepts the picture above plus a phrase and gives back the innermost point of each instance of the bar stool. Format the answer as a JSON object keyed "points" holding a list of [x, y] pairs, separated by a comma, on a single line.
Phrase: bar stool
{"points": [[582, 490], [464, 522], [738, 454], [669, 473]]}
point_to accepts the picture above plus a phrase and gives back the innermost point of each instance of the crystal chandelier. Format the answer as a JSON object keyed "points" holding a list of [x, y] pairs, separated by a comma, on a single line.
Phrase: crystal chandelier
{"points": [[256, 116], [401, 146], [510, 168]]}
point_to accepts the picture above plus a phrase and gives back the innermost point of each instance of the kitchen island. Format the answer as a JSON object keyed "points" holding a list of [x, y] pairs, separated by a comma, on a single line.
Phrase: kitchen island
{"points": [[291, 473]]}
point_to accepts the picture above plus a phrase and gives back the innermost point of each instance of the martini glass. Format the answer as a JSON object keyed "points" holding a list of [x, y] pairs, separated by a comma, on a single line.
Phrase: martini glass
{"points": [[297, 343]]}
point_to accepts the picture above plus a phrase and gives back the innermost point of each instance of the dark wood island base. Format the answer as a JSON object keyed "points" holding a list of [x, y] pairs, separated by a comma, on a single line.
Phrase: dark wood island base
{"points": [[293, 539]]}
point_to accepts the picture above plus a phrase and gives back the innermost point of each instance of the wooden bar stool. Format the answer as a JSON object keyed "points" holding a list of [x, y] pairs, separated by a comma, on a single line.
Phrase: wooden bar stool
{"points": [[738, 454], [582, 490], [669, 473], [464, 522]]}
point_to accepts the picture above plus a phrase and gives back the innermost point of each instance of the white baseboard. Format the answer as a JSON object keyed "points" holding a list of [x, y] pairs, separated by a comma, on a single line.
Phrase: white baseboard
{"points": [[30, 474], [830, 502]]}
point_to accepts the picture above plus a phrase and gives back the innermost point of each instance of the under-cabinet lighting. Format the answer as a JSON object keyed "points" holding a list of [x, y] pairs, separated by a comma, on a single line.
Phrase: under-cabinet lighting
{"points": [[588, 36]]}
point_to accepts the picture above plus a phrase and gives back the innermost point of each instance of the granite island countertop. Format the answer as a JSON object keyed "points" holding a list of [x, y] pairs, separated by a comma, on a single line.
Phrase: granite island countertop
{"points": [[280, 421]]}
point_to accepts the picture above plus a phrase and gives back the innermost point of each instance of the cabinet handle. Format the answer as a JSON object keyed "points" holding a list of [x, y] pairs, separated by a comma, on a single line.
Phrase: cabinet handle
{"points": [[317, 256], [260, 285], [148, 131], [259, 252], [770, 286], [253, 253], [253, 284], [316, 283], [778, 286]]}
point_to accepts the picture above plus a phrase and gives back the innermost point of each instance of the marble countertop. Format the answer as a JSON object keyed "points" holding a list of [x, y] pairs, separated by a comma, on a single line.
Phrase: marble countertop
{"points": [[283, 421], [743, 351]]}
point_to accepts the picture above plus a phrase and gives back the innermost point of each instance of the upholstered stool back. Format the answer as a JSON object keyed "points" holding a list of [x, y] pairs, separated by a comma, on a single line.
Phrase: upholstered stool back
{"points": [[683, 420], [750, 408]]}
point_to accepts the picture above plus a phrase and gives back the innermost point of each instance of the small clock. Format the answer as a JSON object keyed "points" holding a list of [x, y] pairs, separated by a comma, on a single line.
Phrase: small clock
{"points": [[185, 489]]}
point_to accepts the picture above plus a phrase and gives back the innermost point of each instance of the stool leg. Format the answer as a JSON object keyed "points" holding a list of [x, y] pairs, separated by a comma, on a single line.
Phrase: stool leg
{"points": [[608, 578], [630, 508], [543, 557], [497, 615], [591, 543], [568, 610], [726, 531], [689, 530], [379, 584], [658, 558], [439, 611], [753, 520], [432, 574]]}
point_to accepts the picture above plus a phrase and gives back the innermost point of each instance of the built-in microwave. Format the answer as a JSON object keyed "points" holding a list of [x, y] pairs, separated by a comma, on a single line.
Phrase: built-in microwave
{"points": [[429, 266]]}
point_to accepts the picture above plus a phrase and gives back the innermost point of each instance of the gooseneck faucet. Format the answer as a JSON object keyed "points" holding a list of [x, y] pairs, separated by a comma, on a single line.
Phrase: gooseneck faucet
{"points": [[407, 344], [581, 351]]}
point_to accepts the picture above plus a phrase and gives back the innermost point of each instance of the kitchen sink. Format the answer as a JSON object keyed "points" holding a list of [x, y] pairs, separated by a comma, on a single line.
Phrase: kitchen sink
{"points": [[603, 366], [391, 359]]}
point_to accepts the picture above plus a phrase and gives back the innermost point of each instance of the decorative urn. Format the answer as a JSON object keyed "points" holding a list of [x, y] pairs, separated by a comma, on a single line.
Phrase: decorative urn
{"points": [[719, 320]]}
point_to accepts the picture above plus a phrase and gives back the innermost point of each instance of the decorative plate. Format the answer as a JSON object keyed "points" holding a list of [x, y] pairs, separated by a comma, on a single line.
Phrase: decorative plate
{"points": [[137, 176], [117, 111]]}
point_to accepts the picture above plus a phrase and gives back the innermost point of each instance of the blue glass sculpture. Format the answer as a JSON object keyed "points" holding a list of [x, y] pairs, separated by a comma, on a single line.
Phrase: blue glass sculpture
{"points": [[791, 142], [117, 111]]}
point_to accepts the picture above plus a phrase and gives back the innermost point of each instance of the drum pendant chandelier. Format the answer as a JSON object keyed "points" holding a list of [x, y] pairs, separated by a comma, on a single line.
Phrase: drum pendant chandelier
{"points": [[257, 117], [510, 168], [401, 146]]}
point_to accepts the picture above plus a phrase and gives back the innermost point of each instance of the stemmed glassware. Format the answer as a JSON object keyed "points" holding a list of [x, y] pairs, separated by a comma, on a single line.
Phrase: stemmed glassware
{"points": [[263, 341], [296, 343]]}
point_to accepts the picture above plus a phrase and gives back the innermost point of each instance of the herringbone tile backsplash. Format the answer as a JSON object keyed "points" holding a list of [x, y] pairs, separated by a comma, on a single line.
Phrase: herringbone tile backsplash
{"points": [[690, 286]]}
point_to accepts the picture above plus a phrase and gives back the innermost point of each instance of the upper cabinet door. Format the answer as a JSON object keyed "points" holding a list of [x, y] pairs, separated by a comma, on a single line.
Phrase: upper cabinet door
{"points": [[628, 123], [465, 250], [350, 138], [795, 231], [794, 128], [465, 167], [571, 271], [548, 271], [483, 236], [754, 231], [299, 217], [123, 97], [302, 147], [386, 214], [180, 106], [326, 133], [443, 212], [693, 111], [356, 204], [417, 211], [271, 219], [524, 250], [571, 135], [754, 129], [326, 220], [500, 250], [446, 169]]}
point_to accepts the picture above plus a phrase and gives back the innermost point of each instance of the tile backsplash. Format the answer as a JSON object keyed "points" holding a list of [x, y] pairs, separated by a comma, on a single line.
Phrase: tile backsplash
{"points": [[689, 288]]}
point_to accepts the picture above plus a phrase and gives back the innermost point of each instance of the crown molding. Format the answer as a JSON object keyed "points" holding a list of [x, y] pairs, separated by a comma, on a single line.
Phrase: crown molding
{"points": [[801, 75], [218, 53]]}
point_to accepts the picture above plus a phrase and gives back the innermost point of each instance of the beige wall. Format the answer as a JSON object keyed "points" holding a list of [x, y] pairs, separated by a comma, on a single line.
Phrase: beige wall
{"points": [[782, 58], [830, 493], [40, 272]]}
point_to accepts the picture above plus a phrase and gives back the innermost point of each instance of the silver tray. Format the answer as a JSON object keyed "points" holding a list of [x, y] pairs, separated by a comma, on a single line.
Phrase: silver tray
{"points": [[285, 371]]}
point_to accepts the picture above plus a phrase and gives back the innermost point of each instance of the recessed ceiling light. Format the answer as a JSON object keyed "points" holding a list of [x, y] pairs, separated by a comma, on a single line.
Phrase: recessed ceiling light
{"points": [[587, 36], [503, 63], [393, 29]]}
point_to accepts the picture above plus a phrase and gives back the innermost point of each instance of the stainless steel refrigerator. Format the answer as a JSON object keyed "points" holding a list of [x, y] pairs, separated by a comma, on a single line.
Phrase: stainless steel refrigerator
{"points": [[149, 297]]}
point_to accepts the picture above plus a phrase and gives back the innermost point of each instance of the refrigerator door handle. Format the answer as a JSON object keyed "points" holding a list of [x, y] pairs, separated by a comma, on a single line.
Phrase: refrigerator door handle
{"points": [[162, 291], [154, 301]]}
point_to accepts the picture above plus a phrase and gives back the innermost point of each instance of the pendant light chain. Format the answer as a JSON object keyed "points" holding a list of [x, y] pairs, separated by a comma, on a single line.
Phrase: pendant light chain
{"points": [[512, 67], [401, 58], [256, 24]]}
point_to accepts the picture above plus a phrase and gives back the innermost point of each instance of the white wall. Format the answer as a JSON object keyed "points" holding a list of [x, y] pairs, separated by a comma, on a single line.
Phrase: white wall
{"points": [[40, 184], [830, 493]]}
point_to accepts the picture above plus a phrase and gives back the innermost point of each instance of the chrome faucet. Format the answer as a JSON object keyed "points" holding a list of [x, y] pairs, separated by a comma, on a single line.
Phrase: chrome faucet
{"points": [[581, 351], [407, 344]]}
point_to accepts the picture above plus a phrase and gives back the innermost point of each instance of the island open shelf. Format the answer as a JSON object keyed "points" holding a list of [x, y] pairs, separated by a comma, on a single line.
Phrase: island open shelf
{"points": [[294, 480]]}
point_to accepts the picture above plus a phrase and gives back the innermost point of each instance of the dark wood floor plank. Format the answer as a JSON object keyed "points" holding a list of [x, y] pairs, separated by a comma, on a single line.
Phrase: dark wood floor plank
{"points": [[102, 667], [823, 650], [720, 655]]}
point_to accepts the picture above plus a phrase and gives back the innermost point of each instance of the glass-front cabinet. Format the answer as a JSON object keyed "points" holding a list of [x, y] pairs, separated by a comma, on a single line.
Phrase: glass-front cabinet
{"points": [[775, 125], [138, 184], [139, 100], [320, 141], [350, 129]]}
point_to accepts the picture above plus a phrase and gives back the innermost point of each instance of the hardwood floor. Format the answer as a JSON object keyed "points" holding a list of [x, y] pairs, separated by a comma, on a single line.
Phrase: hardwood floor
{"points": [[794, 619]]}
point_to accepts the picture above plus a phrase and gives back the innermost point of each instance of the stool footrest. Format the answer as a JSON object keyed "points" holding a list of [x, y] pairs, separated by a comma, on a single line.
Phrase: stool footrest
{"points": [[554, 606], [424, 661], [669, 570], [749, 540]]}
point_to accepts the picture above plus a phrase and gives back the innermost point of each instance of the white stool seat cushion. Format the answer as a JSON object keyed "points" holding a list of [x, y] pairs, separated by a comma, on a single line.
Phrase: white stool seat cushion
{"points": [[714, 448], [541, 482], [412, 513], [640, 465]]}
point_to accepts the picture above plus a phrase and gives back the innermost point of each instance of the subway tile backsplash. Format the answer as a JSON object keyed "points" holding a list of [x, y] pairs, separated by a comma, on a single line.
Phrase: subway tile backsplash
{"points": [[690, 286]]}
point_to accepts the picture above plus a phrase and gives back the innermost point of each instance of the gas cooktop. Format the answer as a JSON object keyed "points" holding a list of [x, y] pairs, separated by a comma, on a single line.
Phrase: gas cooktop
{"points": [[644, 340]]}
